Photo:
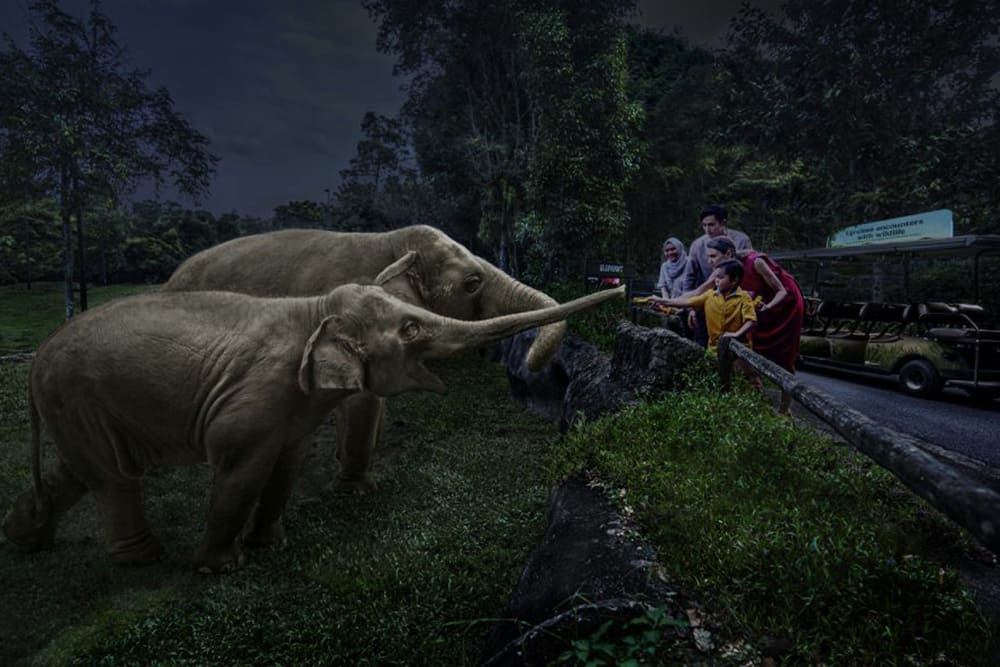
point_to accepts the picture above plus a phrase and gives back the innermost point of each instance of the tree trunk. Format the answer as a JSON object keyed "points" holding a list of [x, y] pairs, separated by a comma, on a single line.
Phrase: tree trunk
{"points": [[104, 262], [510, 212], [27, 255], [67, 229], [81, 238]]}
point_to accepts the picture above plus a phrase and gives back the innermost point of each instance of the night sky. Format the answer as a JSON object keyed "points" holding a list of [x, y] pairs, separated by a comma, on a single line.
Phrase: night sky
{"points": [[280, 86]]}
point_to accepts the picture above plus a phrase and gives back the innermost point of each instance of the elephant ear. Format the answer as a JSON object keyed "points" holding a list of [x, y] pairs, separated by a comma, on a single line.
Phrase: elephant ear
{"points": [[331, 361], [400, 266], [410, 288]]}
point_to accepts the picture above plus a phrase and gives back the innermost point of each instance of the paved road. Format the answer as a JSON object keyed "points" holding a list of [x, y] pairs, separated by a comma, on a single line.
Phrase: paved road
{"points": [[952, 421]]}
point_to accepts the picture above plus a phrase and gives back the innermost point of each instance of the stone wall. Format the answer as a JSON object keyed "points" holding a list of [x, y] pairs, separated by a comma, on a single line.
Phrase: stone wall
{"points": [[591, 567], [582, 380]]}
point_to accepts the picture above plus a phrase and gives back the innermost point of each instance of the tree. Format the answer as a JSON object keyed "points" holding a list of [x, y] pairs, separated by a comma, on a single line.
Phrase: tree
{"points": [[79, 123], [584, 150], [480, 107], [681, 163], [375, 192], [889, 106], [298, 214], [467, 110], [29, 240]]}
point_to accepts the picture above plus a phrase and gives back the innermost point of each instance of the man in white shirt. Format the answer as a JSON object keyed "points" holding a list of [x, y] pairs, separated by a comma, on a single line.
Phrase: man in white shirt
{"points": [[713, 222]]}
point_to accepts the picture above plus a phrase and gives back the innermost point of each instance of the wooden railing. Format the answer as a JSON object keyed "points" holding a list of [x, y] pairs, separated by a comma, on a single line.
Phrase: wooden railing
{"points": [[964, 500]]}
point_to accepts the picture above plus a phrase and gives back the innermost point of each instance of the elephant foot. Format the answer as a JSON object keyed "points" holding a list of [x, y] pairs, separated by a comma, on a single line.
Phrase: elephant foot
{"points": [[142, 549], [219, 560], [28, 526], [271, 536], [359, 485]]}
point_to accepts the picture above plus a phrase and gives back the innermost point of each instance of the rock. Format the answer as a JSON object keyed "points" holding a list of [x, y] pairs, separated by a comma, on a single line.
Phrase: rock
{"points": [[650, 361], [543, 392], [588, 569], [581, 381]]}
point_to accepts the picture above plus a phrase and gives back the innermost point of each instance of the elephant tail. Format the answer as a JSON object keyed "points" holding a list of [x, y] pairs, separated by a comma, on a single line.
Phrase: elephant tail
{"points": [[41, 498]]}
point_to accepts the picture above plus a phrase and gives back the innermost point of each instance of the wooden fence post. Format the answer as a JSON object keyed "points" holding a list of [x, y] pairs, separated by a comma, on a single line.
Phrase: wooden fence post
{"points": [[726, 359], [968, 503]]}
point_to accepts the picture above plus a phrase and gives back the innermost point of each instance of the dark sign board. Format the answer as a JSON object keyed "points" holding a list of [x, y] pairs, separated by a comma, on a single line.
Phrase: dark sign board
{"points": [[607, 273]]}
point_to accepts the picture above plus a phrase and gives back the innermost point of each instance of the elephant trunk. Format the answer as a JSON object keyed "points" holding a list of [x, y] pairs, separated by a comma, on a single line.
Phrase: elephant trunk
{"points": [[460, 334], [517, 297]]}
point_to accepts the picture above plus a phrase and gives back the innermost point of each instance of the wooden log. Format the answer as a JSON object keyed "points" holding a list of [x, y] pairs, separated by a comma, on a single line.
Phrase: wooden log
{"points": [[965, 501]]}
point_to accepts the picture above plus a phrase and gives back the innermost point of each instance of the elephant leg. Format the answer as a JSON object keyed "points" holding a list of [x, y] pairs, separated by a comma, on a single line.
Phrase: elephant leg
{"points": [[266, 529], [31, 524], [237, 485], [359, 422], [129, 539]]}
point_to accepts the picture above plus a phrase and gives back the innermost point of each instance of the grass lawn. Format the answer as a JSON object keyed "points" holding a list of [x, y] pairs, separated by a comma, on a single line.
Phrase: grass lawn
{"points": [[785, 535], [27, 317], [411, 574]]}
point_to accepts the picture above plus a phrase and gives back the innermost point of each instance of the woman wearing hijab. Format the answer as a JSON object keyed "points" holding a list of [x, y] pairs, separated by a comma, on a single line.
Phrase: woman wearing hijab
{"points": [[671, 282], [675, 262]]}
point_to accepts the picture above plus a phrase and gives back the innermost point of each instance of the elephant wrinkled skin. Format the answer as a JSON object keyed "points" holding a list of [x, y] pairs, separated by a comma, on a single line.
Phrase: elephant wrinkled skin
{"points": [[238, 381], [443, 277]]}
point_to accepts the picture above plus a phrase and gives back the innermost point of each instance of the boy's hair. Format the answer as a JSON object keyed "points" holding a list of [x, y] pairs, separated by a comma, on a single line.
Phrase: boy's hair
{"points": [[733, 269], [718, 210]]}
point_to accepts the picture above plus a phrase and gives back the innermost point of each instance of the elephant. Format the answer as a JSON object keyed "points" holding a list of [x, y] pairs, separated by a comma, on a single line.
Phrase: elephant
{"points": [[237, 381], [444, 277]]}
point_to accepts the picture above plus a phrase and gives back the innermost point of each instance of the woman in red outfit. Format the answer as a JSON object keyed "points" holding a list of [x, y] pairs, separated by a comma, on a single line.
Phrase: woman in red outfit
{"points": [[779, 311]]}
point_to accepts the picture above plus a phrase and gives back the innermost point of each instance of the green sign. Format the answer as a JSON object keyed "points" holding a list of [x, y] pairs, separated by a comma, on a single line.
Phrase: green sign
{"points": [[931, 225]]}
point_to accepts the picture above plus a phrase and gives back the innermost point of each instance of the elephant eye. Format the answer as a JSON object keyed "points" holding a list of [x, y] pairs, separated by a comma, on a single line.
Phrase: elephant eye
{"points": [[472, 283], [410, 330]]}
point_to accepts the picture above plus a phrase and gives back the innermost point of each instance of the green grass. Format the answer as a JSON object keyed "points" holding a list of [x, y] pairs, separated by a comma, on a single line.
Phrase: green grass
{"points": [[412, 574], [14, 430], [790, 536], [785, 534], [27, 317]]}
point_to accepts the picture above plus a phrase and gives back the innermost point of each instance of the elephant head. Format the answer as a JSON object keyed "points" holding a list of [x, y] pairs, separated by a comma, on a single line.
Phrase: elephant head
{"points": [[442, 276], [378, 343], [445, 277]]}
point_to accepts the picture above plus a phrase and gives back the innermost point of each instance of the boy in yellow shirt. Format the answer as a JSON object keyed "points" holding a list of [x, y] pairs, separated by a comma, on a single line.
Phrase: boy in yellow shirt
{"points": [[729, 311]]}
